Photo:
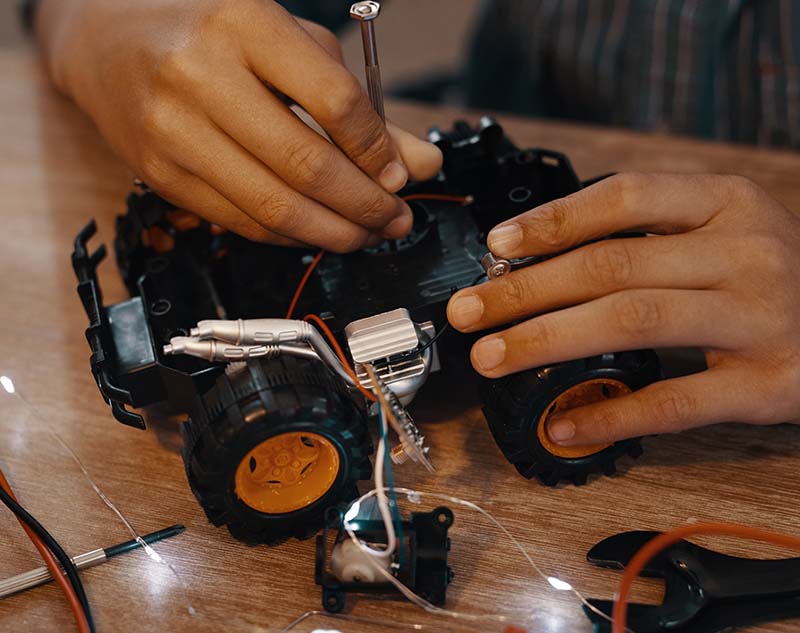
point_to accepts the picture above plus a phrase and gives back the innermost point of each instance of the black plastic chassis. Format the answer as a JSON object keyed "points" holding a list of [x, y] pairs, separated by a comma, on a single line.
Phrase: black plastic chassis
{"points": [[224, 276]]}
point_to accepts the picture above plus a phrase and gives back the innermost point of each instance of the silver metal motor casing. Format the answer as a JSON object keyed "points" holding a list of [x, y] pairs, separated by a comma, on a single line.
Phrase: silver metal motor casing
{"points": [[389, 342]]}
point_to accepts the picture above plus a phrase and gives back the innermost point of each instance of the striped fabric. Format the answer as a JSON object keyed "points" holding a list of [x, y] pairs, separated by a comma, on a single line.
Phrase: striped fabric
{"points": [[727, 69]]}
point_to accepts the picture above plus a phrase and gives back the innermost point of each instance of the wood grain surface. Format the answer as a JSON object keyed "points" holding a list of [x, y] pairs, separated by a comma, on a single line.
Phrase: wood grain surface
{"points": [[56, 173]]}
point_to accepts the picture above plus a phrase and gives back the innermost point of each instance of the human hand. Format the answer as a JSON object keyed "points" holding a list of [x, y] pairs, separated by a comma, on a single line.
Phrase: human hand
{"points": [[185, 92], [721, 273]]}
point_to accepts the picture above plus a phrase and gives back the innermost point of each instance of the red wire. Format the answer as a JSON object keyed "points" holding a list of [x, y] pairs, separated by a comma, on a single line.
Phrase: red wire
{"points": [[337, 348], [663, 541], [315, 261], [438, 196], [52, 565], [303, 283]]}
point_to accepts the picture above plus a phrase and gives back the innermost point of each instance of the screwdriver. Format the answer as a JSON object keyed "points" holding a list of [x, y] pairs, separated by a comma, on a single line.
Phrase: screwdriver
{"points": [[365, 13], [41, 575]]}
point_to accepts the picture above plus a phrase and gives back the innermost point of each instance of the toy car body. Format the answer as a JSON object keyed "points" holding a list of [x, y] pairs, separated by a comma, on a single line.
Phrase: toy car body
{"points": [[277, 425]]}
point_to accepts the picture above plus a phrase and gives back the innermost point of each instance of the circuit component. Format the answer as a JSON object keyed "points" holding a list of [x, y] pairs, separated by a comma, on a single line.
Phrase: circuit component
{"points": [[390, 342], [412, 442], [420, 562]]}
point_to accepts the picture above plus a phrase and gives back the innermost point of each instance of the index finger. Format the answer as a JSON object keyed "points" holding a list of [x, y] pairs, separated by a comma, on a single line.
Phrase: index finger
{"points": [[317, 81], [653, 203]]}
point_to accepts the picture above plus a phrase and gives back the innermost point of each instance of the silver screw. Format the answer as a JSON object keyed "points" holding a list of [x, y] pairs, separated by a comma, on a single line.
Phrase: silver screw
{"points": [[495, 266], [366, 12]]}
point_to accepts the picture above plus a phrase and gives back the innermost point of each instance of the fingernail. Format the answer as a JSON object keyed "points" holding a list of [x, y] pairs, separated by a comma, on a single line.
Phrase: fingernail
{"points": [[504, 238], [393, 177], [465, 310], [400, 226], [561, 430], [489, 353]]}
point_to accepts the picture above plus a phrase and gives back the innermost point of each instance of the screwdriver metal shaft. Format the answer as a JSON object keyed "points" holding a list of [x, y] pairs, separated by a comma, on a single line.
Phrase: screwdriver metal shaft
{"points": [[41, 575], [366, 12]]}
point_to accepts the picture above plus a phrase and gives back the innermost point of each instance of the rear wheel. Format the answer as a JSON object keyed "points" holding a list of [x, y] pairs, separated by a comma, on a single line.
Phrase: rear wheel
{"points": [[271, 446], [517, 408]]}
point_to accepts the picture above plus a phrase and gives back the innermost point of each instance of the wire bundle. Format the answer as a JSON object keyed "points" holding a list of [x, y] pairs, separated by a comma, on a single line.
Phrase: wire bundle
{"points": [[53, 554]]}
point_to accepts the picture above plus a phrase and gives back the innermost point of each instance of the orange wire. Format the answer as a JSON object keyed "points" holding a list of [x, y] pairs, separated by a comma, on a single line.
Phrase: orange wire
{"points": [[315, 261], [303, 283], [663, 541], [336, 348], [438, 196], [52, 565]]}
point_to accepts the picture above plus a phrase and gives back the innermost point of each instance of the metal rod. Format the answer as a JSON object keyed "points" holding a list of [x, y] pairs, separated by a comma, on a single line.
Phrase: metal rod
{"points": [[41, 575], [365, 13]]}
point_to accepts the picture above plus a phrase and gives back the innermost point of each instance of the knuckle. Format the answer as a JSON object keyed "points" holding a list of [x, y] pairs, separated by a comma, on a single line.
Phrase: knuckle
{"points": [[514, 293], [672, 408], [372, 146], [221, 15], [377, 210], [178, 67], [608, 422], [771, 254], [309, 166], [735, 190], [553, 226], [158, 119], [608, 265], [638, 315], [275, 210], [539, 339], [341, 98], [626, 187]]}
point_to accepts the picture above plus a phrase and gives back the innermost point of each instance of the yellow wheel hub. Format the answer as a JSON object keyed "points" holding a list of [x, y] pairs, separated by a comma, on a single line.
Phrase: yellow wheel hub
{"points": [[589, 392], [287, 472]]}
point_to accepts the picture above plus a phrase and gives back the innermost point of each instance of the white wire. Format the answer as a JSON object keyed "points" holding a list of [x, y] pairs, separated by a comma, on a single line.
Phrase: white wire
{"points": [[414, 496], [383, 500]]}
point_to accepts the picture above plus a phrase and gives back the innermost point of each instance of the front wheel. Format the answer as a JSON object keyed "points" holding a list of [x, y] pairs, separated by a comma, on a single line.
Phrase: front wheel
{"points": [[517, 408], [273, 445]]}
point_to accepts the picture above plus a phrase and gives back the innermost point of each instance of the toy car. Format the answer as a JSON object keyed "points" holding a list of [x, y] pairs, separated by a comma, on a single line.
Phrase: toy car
{"points": [[277, 421]]}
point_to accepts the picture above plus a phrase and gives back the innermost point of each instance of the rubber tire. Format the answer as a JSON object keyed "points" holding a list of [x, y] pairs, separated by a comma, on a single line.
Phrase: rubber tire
{"points": [[275, 396], [515, 404]]}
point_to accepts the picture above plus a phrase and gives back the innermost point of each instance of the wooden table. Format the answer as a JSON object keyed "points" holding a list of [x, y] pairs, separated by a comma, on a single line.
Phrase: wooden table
{"points": [[56, 173]]}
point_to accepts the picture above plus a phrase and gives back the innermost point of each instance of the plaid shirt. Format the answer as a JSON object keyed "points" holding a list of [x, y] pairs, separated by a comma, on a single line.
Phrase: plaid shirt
{"points": [[727, 69]]}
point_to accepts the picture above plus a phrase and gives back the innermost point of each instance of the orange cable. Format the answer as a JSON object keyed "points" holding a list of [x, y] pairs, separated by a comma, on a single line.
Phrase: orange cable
{"points": [[663, 541], [336, 348], [303, 283], [52, 565], [438, 196]]}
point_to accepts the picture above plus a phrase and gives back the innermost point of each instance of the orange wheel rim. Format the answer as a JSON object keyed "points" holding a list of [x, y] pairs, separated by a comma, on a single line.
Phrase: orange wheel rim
{"points": [[588, 392], [287, 472]]}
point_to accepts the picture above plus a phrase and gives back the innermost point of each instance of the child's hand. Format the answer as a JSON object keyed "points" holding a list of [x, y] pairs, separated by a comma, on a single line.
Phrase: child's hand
{"points": [[721, 273], [188, 94]]}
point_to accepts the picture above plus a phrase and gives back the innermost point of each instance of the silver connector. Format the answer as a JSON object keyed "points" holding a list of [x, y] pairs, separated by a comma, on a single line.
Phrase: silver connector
{"points": [[253, 331], [243, 339], [366, 12], [219, 351]]}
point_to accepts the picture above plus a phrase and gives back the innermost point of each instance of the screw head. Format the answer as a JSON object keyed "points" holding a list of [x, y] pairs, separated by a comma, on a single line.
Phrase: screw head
{"points": [[365, 11]]}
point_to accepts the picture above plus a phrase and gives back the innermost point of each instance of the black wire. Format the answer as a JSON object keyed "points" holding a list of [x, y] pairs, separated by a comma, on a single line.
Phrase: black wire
{"points": [[446, 326], [58, 552]]}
